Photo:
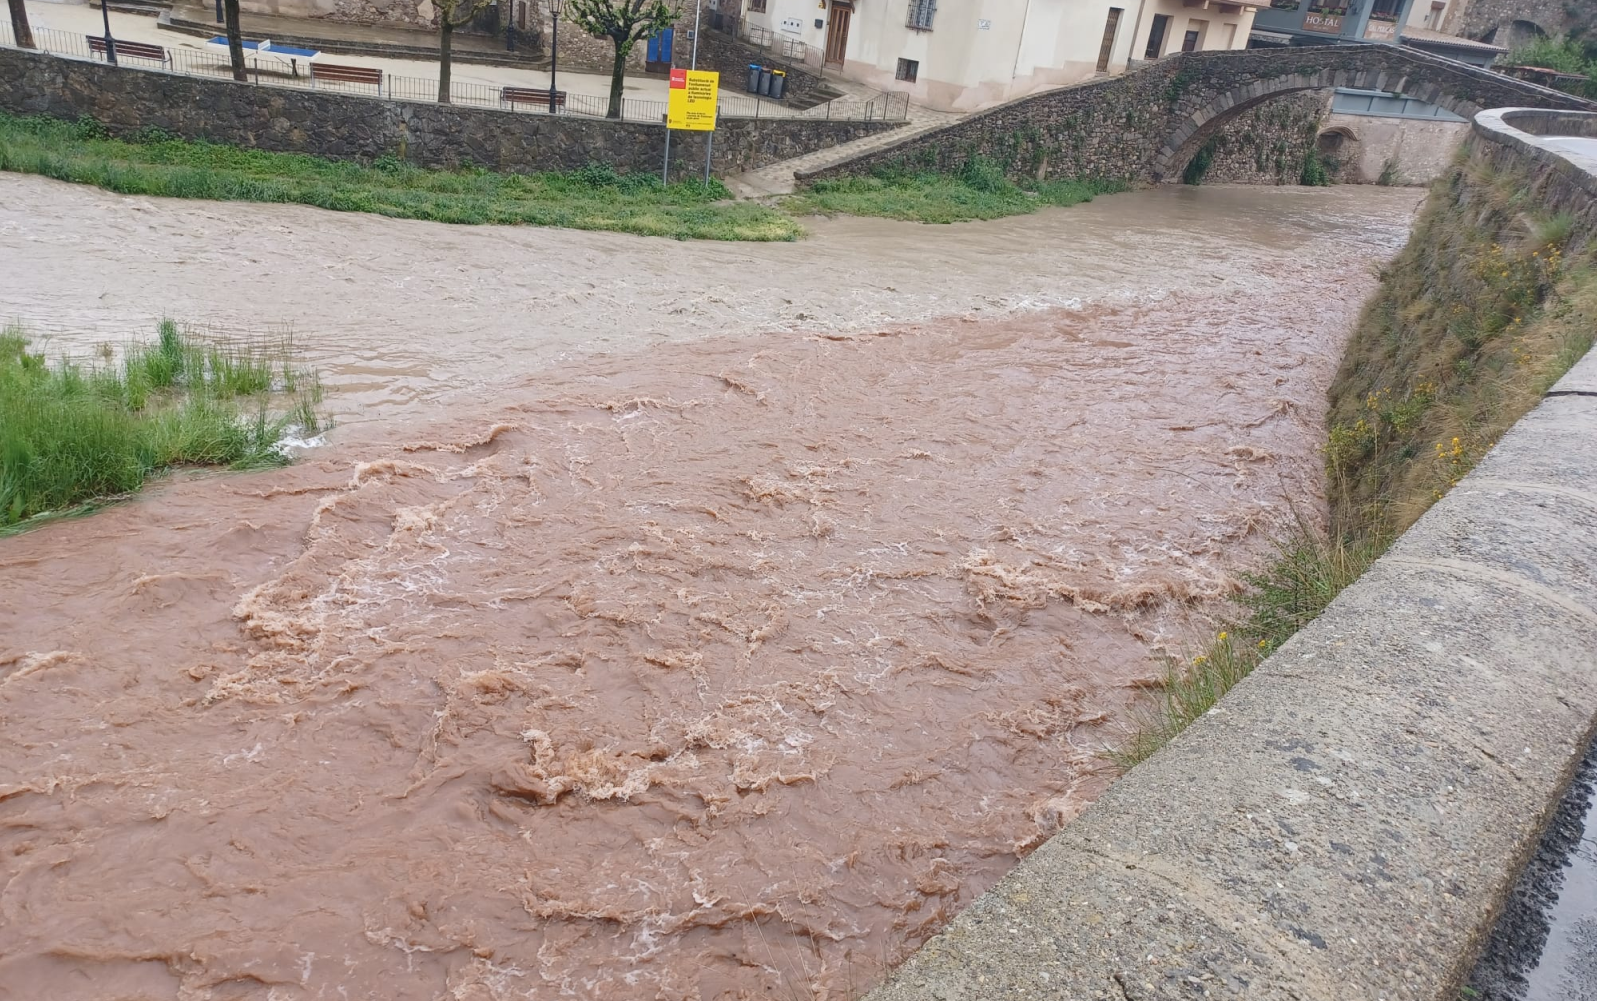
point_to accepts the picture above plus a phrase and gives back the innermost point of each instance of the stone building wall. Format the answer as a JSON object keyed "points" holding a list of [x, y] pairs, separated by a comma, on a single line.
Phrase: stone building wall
{"points": [[578, 49], [1145, 125], [1481, 19], [351, 127]]}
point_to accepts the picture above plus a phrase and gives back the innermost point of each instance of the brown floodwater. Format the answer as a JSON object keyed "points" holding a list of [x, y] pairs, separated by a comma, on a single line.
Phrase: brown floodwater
{"points": [[666, 621]]}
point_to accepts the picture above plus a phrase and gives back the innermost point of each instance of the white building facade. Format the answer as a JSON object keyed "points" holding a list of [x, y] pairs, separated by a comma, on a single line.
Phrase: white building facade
{"points": [[963, 55]]}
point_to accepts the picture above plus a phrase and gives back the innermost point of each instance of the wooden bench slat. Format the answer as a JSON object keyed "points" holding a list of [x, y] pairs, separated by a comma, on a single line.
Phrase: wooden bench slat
{"points": [[138, 50], [346, 74], [529, 95]]}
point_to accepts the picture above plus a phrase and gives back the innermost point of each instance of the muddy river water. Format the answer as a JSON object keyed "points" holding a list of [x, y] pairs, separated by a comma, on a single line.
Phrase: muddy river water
{"points": [[663, 620]]}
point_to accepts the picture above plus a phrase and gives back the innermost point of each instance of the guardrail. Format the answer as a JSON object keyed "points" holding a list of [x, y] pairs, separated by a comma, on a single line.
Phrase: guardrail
{"points": [[212, 62]]}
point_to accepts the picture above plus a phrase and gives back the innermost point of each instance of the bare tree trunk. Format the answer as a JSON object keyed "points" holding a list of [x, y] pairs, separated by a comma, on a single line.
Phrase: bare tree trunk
{"points": [[446, 32], [235, 40], [618, 76], [20, 28]]}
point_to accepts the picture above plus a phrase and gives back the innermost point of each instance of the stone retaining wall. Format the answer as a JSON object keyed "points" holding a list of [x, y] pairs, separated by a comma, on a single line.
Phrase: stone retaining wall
{"points": [[1348, 821], [1562, 181], [429, 135], [1419, 150]]}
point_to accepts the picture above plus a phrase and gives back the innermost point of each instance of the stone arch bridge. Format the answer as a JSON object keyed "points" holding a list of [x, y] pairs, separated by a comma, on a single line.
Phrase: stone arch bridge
{"points": [[1145, 125]]}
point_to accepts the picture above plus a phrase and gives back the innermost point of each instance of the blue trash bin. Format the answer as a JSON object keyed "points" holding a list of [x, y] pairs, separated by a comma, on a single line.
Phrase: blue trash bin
{"points": [[754, 78]]}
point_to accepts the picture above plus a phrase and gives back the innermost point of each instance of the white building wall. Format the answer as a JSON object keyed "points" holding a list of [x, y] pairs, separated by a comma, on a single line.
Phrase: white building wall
{"points": [[982, 52]]}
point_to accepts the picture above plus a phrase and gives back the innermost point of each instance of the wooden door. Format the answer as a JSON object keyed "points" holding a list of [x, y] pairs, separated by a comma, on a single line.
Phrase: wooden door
{"points": [[1106, 50], [837, 32]]}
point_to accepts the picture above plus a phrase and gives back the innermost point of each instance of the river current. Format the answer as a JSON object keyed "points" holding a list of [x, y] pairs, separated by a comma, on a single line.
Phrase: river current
{"points": [[661, 621]]}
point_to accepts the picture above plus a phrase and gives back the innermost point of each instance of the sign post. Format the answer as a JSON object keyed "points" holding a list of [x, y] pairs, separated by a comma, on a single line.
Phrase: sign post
{"points": [[690, 106]]}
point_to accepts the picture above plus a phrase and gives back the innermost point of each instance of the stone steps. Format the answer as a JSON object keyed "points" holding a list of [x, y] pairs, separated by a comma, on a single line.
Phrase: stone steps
{"points": [[778, 178]]}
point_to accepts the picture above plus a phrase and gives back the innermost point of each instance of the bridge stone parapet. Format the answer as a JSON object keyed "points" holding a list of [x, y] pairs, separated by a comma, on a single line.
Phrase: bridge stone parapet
{"points": [[1145, 125]]}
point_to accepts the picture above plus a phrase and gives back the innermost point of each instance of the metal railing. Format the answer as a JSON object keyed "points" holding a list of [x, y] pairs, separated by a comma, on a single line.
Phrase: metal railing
{"points": [[212, 62]]}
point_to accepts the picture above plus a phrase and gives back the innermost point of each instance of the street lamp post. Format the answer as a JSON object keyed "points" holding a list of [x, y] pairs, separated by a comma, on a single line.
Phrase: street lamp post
{"points": [[110, 43], [555, 6]]}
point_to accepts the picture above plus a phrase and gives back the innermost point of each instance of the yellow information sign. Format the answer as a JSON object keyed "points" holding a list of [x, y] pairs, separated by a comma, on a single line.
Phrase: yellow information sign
{"points": [[691, 101]]}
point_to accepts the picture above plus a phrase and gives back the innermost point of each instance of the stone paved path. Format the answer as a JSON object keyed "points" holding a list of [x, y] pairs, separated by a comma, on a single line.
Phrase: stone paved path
{"points": [[777, 178]]}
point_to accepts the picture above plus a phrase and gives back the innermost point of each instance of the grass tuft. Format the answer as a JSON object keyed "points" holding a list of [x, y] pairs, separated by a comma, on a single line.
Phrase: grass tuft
{"points": [[72, 434], [1488, 305], [1483, 310], [979, 190], [1308, 570], [151, 162]]}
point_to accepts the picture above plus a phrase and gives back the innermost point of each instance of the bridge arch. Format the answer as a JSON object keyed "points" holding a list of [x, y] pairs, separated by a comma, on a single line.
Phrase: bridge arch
{"points": [[1520, 30], [1198, 127]]}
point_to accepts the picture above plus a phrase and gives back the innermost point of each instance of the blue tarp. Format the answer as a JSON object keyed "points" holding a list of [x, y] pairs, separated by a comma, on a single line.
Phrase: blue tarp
{"points": [[281, 50]]}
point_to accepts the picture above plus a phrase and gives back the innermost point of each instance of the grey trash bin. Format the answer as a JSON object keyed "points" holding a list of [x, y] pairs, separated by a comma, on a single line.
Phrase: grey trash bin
{"points": [[778, 84], [754, 78], [765, 82]]}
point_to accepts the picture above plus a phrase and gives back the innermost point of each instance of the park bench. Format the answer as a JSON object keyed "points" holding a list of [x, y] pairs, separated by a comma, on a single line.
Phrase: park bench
{"points": [[334, 73], [133, 50], [528, 95]]}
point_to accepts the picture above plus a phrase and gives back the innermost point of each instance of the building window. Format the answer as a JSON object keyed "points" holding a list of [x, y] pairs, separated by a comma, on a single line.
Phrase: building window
{"points": [[756, 6], [1193, 41], [921, 13], [1434, 19], [1161, 25], [907, 68]]}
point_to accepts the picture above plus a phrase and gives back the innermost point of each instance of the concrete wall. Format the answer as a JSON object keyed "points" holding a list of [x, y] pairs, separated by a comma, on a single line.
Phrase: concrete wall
{"points": [[430, 135], [1145, 125], [1347, 822], [1418, 150]]}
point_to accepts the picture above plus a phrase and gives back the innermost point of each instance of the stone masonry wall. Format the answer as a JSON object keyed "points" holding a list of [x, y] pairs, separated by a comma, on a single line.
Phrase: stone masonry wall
{"points": [[429, 135], [1481, 18], [1145, 125], [578, 49], [1267, 144]]}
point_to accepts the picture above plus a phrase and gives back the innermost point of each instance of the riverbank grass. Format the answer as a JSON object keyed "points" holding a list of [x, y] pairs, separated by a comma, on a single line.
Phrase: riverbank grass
{"points": [[979, 190], [594, 198], [76, 433], [1489, 304], [1306, 572]]}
